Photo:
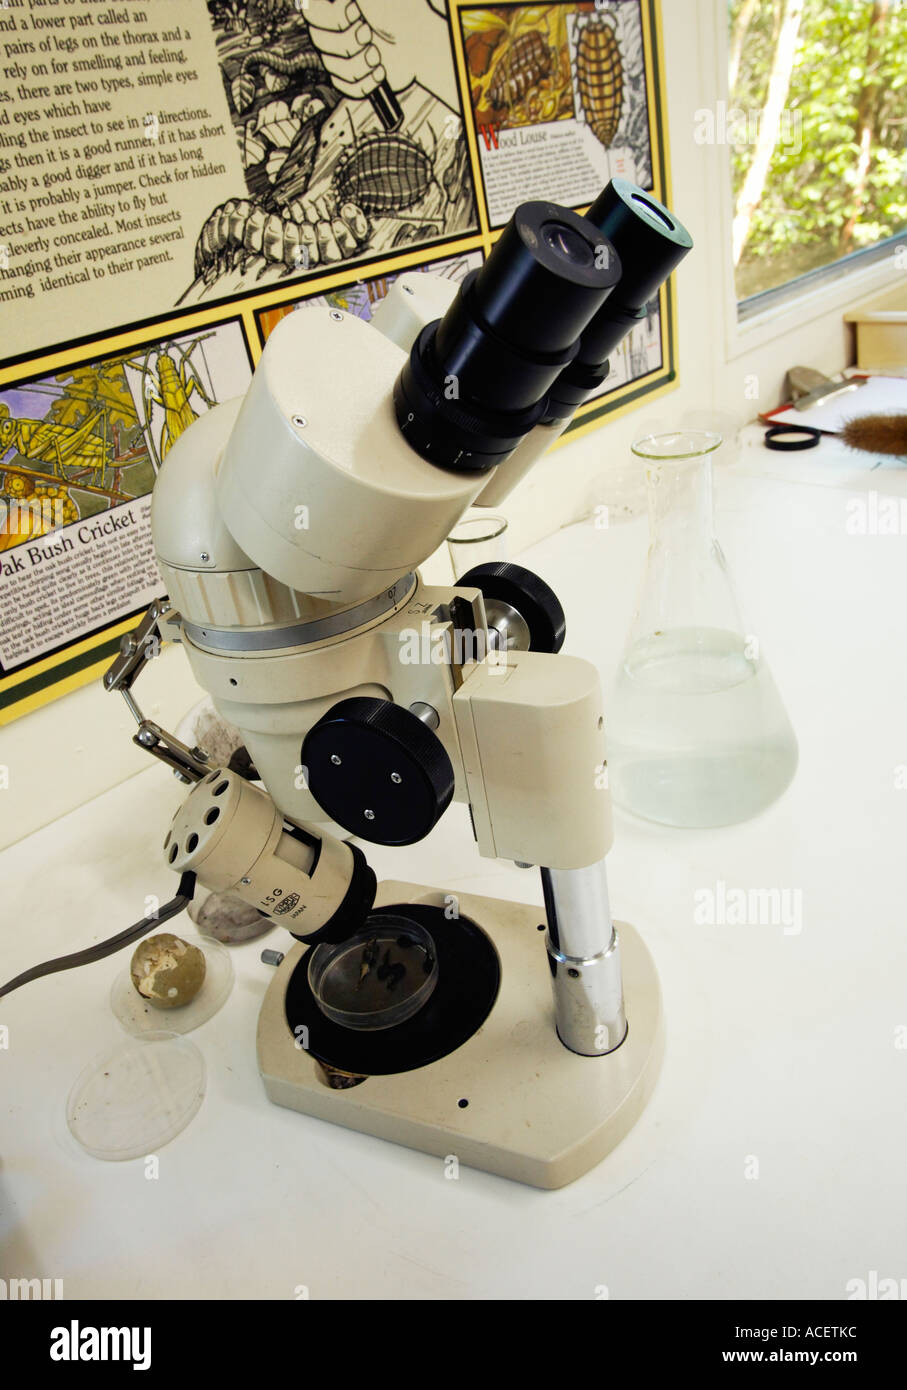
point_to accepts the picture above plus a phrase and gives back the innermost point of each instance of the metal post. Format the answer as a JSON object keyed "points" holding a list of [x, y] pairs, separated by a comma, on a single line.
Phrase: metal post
{"points": [[584, 956]]}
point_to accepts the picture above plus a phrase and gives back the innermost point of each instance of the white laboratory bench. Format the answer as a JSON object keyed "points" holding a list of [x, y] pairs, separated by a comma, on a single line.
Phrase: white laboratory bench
{"points": [[781, 1047]]}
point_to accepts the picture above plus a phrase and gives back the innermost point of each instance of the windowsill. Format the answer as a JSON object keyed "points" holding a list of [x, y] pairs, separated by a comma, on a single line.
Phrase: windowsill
{"points": [[854, 285]]}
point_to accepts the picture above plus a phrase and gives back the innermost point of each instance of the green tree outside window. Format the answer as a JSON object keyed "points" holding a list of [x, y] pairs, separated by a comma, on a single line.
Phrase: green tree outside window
{"points": [[817, 124]]}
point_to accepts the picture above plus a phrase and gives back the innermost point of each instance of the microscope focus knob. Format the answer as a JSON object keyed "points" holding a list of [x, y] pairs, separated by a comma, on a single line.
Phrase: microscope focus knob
{"points": [[378, 771], [510, 589]]}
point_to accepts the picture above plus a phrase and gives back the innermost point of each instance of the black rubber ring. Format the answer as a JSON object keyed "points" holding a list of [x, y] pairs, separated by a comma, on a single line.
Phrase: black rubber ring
{"points": [[808, 439]]}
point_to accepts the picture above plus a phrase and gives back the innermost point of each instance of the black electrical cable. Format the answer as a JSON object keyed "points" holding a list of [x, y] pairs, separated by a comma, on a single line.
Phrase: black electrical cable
{"points": [[113, 943]]}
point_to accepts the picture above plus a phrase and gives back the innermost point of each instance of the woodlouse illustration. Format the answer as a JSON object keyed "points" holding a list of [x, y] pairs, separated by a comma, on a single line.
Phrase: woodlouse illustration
{"points": [[519, 65], [383, 174], [525, 62], [600, 79]]}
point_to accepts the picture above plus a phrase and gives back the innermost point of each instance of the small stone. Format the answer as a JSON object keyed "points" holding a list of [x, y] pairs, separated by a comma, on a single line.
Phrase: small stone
{"points": [[167, 971]]}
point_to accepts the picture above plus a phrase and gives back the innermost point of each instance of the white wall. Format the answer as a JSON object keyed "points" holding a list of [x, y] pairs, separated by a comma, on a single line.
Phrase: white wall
{"points": [[72, 750]]}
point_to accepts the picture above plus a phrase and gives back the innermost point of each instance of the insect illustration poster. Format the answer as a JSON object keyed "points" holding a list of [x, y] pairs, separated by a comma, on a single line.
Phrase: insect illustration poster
{"points": [[83, 448], [176, 175], [558, 98]]}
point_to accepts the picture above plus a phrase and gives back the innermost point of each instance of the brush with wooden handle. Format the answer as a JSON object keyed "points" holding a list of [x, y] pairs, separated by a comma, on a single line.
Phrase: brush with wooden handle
{"points": [[877, 434]]}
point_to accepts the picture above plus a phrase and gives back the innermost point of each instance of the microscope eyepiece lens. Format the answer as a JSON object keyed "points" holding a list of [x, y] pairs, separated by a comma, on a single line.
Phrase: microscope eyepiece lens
{"points": [[477, 380], [528, 337], [655, 208], [568, 243]]}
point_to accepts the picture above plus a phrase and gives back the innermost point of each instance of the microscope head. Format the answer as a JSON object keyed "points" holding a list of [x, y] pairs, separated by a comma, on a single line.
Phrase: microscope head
{"points": [[316, 483], [352, 458], [351, 461]]}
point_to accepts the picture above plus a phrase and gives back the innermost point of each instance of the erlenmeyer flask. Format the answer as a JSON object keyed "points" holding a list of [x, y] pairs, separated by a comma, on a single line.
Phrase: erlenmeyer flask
{"points": [[697, 733]]}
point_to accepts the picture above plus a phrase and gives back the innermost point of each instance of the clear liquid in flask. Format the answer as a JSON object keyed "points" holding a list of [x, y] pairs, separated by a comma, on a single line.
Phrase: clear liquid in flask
{"points": [[700, 735]]}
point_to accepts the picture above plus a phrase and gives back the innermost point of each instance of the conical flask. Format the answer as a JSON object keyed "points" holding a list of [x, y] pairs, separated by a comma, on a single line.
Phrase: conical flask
{"points": [[697, 733]]}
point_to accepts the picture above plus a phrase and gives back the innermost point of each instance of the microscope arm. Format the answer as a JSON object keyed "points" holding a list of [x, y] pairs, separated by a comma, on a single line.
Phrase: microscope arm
{"points": [[531, 736]]}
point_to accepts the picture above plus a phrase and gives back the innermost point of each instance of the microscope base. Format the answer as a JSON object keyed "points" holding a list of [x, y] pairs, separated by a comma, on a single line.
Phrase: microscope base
{"points": [[537, 1113]]}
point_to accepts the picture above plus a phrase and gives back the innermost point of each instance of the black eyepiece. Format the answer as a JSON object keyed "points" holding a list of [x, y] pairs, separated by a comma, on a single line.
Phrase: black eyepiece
{"points": [[477, 380], [649, 239], [650, 243]]}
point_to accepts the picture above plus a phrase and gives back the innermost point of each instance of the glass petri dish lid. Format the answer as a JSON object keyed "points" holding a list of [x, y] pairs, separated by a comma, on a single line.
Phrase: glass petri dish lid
{"points": [[136, 1096]]}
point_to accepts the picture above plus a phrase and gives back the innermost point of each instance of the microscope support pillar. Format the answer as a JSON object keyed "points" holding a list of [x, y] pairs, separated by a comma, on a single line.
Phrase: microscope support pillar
{"points": [[584, 957]]}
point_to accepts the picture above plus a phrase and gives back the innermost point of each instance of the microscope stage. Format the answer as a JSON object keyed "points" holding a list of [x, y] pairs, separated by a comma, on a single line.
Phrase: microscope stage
{"points": [[511, 1099]]}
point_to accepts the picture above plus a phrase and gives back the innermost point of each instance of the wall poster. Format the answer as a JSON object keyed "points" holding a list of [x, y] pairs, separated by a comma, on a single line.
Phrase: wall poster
{"points": [[176, 175]]}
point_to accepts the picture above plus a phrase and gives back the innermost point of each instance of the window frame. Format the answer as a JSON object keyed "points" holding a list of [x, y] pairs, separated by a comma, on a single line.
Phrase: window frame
{"points": [[827, 291], [764, 300]]}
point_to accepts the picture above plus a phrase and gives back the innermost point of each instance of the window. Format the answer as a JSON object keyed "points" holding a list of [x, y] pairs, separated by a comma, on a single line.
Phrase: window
{"points": [[817, 128]]}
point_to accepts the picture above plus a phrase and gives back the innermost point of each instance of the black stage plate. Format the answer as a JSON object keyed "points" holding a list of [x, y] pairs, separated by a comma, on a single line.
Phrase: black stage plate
{"points": [[469, 975]]}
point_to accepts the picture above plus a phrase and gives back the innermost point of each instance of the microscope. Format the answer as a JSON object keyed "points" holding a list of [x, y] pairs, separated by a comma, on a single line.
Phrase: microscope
{"points": [[289, 526]]}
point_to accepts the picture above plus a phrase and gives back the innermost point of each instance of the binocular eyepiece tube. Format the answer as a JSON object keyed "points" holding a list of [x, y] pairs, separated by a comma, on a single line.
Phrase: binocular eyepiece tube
{"points": [[527, 338]]}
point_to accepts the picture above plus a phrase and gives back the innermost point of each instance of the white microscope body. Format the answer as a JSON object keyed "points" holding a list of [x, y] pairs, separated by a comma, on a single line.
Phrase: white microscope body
{"points": [[289, 527]]}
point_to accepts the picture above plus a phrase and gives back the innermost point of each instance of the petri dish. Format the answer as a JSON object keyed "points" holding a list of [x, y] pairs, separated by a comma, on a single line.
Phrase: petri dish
{"points": [[137, 1016], [136, 1096], [378, 978]]}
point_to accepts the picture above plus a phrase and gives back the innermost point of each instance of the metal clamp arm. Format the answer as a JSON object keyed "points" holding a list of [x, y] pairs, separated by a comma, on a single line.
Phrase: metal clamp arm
{"points": [[137, 648]]}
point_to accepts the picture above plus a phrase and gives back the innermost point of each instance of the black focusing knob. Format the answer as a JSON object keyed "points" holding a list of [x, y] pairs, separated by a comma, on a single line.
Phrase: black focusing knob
{"points": [[378, 771], [536, 603]]}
